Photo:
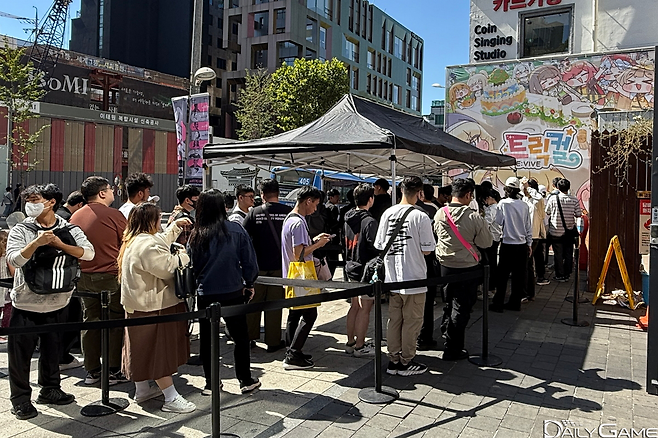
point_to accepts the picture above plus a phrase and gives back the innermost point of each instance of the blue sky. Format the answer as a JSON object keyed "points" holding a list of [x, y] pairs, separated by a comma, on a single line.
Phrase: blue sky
{"points": [[443, 24]]}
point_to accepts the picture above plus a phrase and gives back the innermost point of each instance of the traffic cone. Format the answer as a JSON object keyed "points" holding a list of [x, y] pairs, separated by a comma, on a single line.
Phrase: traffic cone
{"points": [[643, 321]]}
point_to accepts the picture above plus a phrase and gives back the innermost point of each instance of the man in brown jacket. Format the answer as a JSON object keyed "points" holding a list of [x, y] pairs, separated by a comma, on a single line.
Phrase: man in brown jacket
{"points": [[104, 227]]}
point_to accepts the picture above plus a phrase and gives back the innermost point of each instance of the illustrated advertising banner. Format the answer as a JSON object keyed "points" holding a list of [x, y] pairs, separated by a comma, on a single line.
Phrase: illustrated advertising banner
{"points": [[542, 111], [191, 136]]}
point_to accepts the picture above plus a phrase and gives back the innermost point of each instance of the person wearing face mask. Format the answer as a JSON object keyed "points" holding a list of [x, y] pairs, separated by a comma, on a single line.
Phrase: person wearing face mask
{"points": [[51, 238], [138, 186], [104, 226], [187, 196]]}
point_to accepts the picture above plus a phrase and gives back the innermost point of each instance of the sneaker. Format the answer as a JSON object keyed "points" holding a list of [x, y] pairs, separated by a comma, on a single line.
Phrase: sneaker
{"points": [[411, 369], [24, 411], [248, 386], [117, 377], [207, 391], [392, 368], [93, 377], [524, 300], [455, 355], [295, 362], [543, 282], [75, 363], [54, 396], [561, 279], [179, 406], [364, 351], [153, 392], [3, 339], [349, 348]]}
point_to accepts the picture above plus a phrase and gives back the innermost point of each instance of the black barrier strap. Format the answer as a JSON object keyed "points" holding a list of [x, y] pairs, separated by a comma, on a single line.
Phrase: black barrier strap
{"points": [[278, 281], [432, 281]]}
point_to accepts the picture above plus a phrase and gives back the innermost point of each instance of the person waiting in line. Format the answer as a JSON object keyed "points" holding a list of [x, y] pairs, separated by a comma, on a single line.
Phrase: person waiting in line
{"points": [[45, 235], [138, 186], [295, 238], [360, 234], [461, 232], [333, 227], [187, 197], [562, 242], [382, 198], [146, 272], [539, 254], [515, 247], [426, 339], [406, 261], [444, 196], [225, 266], [245, 197], [73, 203], [264, 225], [490, 211], [535, 201], [6, 271], [8, 202]]}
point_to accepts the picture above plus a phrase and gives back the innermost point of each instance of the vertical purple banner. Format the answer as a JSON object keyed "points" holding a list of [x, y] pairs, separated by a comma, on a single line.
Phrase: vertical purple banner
{"points": [[179, 105], [199, 135]]}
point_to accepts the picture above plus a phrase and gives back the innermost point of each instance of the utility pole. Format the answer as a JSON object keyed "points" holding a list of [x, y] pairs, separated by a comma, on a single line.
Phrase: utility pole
{"points": [[652, 341], [197, 33]]}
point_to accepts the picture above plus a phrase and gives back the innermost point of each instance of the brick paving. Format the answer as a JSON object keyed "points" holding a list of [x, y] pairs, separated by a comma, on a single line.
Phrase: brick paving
{"points": [[550, 371]]}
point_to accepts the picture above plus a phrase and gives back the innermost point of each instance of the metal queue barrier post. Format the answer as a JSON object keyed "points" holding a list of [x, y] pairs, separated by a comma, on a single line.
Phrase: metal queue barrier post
{"points": [[485, 359], [106, 405], [573, 321], [379, 394]]}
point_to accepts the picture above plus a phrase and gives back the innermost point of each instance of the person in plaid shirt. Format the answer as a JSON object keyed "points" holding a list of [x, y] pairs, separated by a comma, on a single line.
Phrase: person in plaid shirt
{"points": [[187, 196]]}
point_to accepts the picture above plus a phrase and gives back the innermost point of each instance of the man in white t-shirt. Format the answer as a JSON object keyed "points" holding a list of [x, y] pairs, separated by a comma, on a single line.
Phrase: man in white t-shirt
{"points": [[138, 185], [406, 261]]}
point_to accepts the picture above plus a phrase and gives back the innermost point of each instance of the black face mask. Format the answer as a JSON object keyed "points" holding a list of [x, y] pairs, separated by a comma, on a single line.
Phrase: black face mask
{"points": [[193, 204]]}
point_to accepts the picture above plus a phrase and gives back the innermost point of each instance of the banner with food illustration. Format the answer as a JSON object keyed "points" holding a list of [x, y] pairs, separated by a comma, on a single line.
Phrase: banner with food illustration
{"points": [[543, 111]]}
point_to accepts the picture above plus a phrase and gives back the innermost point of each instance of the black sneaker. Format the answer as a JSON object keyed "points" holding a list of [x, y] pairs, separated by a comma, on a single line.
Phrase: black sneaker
{"points": [[249, 385], [54, 396], [543, 282], [93, 377], [117, 377], [300, 354], [455, 355], [561, 279], [295, 362], [411, 369], [24, 411], [392, 368]]}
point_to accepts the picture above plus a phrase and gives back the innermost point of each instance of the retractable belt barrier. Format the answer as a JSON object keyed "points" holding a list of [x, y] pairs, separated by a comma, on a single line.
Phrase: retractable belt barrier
{"points": [[334, 290]]}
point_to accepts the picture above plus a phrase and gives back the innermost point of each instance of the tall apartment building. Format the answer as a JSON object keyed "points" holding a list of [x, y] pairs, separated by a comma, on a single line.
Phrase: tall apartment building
{"points": [[384, 58]]}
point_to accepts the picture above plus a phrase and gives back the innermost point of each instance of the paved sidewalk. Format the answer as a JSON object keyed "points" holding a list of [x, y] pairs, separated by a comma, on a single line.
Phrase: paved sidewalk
{"points": [[585, 376]]}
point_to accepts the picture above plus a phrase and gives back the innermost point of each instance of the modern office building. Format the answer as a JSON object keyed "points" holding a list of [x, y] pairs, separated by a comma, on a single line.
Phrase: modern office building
{"points": [[384, 58], [437, 113]]}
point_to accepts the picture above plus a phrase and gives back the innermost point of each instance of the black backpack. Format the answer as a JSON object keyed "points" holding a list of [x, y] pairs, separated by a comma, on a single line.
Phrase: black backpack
{"points": [[51, 270]]}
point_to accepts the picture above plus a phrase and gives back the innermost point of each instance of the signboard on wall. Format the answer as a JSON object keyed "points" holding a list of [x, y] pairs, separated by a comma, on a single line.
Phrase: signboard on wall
{"points": [[542, 111], [645, 226]]}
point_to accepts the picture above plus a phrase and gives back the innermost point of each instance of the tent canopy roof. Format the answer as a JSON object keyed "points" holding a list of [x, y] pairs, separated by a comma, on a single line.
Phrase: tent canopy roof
{"points": [[358, 136]]}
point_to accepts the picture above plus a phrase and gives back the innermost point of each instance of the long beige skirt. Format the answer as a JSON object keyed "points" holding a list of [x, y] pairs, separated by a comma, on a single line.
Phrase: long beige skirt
{"points": [[154, 351]]}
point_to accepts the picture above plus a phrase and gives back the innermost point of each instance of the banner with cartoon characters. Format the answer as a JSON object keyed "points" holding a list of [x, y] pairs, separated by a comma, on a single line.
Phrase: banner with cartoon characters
{"points": [[192, 134], [542, 111]]}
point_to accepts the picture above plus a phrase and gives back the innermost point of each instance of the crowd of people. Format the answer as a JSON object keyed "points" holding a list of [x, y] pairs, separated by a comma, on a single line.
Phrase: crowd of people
{"points": [[87, 245]]}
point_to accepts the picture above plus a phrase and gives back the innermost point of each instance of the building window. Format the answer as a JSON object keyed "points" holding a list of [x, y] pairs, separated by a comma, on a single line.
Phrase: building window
{"points": [[390, 90], [259, 56], [209, 60], [414, 103], [384, 66], [354, 79], [310, 54], [390, 68], [234, 66], [220, 41], [220, 22], [280, 15], [396, 94], [368, 83], [234, 4], [546, 33], [408, 76], [371, 60], [311, 30], [322, 7], [408, 99], [234, 28], [210, 18], [385, 90], [379, 63], [338, 11], [388, 41], [323, 43], [257, 2], [221, 64], [415, 82], [350, 49], [287, 52], [397, 48], [261, 27]]}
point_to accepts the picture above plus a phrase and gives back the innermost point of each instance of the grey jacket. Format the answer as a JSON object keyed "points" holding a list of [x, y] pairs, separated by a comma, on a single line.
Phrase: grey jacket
{"points": [[473, 228], [21, 295]]}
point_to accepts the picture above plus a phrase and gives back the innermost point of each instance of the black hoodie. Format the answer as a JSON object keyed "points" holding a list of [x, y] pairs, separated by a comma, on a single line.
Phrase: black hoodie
{"points": [[360, 233]]}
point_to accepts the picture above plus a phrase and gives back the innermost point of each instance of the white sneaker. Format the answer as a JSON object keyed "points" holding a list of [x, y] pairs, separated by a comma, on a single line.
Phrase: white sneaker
{"points": [[208, 391], [179, 405], [364, 351], [349, 348], [153, 392], [75, 363]]}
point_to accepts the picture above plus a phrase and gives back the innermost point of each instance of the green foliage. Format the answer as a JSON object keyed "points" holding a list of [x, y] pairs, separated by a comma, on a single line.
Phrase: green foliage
{"points": [[304, 91], [20, 86], [255, 113]]}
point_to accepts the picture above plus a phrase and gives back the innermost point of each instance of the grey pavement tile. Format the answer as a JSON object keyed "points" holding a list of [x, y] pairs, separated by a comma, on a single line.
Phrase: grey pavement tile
{"points": [[397, 410], [363, 409], [368, 432], [246, 429], [351, 422], [406, 432], [302, 432], [58, 427], [450, 421], [385, 422], [503, 432], [470, 432], [317, 422], [517, 423], [281, 428], [523, 410], [334, 431], [482, 422], [417, 422]]}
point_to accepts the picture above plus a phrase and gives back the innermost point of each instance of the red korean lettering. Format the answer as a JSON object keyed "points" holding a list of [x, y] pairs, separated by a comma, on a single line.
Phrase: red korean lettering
{"points": [[517, 4], [498, 3]]}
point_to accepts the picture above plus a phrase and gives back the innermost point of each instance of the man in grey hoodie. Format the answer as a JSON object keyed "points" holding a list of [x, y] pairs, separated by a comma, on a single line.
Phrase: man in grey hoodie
{"points": [[456, 258]]}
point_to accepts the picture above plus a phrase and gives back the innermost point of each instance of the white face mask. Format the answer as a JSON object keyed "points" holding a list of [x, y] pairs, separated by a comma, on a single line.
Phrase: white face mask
{"points": [[34, 209]]}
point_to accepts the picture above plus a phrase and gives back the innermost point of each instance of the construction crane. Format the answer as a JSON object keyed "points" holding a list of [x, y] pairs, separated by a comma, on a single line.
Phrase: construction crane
{"points": [[31, 21], [49, 38]]}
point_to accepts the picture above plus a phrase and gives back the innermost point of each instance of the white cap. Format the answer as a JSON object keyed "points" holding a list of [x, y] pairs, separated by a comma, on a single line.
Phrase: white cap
{"points": [[542, 189], [154, 199], [513, 182]]}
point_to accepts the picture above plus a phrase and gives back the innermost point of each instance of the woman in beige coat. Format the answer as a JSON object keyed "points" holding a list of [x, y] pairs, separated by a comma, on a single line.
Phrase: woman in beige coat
{"points": [[146, 272]]}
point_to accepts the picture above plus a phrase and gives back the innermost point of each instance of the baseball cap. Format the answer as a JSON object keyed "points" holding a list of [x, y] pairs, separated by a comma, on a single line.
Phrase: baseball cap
{"points": [[513, 182], [542, 189]]}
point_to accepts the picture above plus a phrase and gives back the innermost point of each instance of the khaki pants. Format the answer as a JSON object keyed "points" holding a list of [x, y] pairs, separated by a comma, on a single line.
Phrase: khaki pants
{"points": [[272, 317], [91, 307], [405, 319]]}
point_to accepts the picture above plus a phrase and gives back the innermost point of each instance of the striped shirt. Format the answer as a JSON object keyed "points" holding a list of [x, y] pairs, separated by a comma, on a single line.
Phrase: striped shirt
{"points": [[570, 208]]}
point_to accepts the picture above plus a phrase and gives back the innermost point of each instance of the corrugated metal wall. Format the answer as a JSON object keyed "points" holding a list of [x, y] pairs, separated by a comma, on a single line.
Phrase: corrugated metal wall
{"points": [[69, 151]]}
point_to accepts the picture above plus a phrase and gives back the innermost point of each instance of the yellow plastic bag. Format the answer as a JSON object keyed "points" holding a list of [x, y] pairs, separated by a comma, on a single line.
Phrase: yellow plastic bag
{"points": [[302, 271]]}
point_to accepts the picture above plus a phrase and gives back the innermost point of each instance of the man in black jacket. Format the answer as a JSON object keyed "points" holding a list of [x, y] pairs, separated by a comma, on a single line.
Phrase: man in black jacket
{"points": [[360, 233], [382, 198], [264, 224]]}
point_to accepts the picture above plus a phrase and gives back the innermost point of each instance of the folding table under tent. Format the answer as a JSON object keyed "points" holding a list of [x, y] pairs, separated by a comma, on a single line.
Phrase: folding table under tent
{"points": [[362, 137]]}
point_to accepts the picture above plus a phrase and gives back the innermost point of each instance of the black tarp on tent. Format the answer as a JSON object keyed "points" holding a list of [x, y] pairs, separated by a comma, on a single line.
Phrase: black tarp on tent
{"points": [[360, 136]]}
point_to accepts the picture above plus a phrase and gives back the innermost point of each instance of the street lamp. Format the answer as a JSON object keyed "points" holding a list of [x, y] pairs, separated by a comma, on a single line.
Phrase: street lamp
{"points": [[204, 74], [437, 85]]}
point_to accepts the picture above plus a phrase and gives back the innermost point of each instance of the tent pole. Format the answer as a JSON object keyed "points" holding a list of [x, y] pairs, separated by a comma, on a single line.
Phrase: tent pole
{"points": [[393, 175]]}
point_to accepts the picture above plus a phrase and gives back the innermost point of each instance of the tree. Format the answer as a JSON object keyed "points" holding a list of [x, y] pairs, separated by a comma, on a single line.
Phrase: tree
{"points": [[20, 86], [304, 91], [255, 113]]}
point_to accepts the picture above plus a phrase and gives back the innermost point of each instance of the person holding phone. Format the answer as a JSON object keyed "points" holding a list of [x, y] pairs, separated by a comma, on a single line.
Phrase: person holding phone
{"points": [[225, 266]]}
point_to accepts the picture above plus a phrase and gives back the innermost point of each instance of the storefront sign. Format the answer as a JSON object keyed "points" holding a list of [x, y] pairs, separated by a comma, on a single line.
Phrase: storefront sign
{"points": [[645, 226], [521, 4], [484, 38]]}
